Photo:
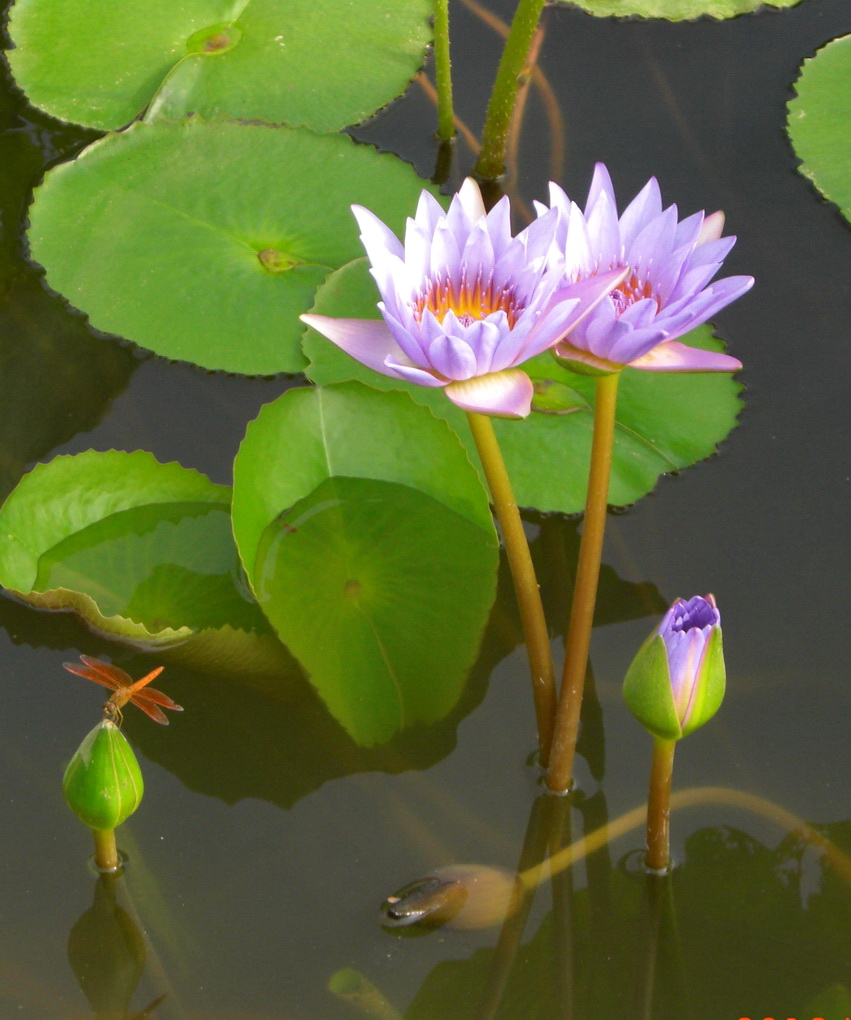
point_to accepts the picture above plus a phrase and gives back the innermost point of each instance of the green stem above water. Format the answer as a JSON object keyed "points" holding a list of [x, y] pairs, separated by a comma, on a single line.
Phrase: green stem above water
{"points": [[106, 851], [659, 806], [578, 640], [523, 574], [491, 161], [443, 71]]}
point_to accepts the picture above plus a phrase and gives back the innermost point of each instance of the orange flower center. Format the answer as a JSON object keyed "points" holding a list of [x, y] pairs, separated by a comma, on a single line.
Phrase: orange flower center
{"points": [[632, 290], [469, 300]]}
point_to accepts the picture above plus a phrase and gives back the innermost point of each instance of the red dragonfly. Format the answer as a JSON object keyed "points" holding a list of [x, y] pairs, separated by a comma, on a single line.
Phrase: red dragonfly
{"points": [[126, 689]]}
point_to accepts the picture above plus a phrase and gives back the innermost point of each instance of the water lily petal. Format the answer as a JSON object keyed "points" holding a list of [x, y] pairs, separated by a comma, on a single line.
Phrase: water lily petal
{"points": [[643, 209], [603, 228], [671, 266], [690, 230], [601, 182], [452, 357], [504, 394], [499, 227], [445, 261], [635, 344], [376, 237], [429, 212], [672, 356], [713, 227], [568, 307], [583, 362], [403, 369], [367, 340]]}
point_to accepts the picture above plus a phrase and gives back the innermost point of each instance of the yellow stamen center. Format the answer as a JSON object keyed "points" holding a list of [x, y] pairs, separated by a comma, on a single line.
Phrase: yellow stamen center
{"points": [[470, 300]]}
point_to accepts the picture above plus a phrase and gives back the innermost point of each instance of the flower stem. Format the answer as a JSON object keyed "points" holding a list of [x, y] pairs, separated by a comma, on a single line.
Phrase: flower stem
{"points": [[523, 574], [106, 852], [578, 640], [443, 71], [491, 161], [659, 806]]}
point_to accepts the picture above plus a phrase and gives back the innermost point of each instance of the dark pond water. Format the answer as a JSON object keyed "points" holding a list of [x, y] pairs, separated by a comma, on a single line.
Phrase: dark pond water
{"points": [[266, 841]]}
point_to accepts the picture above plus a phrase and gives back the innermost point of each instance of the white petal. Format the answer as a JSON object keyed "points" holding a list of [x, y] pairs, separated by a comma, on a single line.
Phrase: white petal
{"points": [[378, 239]]}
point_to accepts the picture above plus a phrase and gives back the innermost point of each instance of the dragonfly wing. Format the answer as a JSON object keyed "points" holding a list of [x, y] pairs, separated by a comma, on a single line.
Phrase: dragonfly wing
{"points": [[151, 700], [150, 709], [100, 672], [158, 698]]}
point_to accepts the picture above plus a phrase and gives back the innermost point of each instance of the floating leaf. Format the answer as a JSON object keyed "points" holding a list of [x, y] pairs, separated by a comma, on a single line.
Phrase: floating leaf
{"points": [[372, 552], [142, 550], [819, 119], [205, 241], [674, 10], [321, 65], [381, 592], [665, 421]]}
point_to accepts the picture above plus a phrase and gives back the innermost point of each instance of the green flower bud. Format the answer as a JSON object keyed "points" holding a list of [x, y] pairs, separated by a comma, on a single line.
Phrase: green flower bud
{"points": [[676, 681], [103, 783]]}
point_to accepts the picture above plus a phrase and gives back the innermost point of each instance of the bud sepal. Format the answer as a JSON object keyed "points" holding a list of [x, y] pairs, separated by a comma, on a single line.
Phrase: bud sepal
{"points": [[103, 782], [676, 681]]}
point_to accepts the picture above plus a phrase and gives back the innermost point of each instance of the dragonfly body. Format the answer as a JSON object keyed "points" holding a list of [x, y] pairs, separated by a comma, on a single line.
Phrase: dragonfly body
{"points": [[125, 689]]}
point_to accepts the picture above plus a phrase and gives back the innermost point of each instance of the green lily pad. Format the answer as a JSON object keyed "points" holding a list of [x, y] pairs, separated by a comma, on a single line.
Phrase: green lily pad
{"points": [[319, 65], [819, 117], [665, 421], [674, 10], [205, 241], [381, 592], [374, 559], [142, 551]]}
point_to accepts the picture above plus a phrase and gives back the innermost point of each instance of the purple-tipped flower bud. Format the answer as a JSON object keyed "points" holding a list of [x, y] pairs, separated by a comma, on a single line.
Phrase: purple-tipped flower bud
{"points": [[103, 782], [676, 681]]}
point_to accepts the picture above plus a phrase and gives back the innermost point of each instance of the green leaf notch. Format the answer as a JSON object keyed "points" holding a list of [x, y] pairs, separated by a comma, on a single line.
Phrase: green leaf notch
{"points": [[204, 242], [665, 422], [142, 551], [819, 119], [674, 10], [102, 64], [373, 555]]}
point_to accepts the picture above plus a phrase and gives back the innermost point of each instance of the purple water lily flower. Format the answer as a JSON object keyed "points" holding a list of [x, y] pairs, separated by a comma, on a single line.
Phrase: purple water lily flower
{"points": [[464, 302], [668, 289], [676, 681]]}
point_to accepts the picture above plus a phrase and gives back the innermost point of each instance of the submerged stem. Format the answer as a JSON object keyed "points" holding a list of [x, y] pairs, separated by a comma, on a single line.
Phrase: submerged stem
{"points": [[659, 805], [443, 71], [491, 162], [523, 574], [578, 641]]}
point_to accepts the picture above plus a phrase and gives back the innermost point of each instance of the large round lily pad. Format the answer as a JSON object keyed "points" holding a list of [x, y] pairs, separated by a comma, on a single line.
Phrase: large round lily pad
{"points": [[205, 241], [322, 65], [381, 592], [674, 10], [368, 542], [820, 121], [665, 421]]}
